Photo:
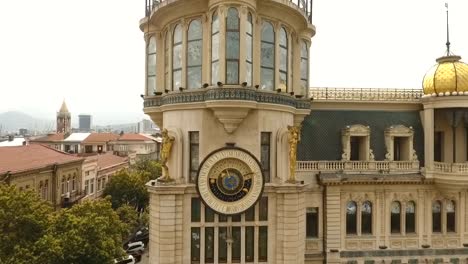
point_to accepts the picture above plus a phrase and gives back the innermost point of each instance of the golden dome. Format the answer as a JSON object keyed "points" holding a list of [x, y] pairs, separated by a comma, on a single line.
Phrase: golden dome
{"points": [[448, 77]]}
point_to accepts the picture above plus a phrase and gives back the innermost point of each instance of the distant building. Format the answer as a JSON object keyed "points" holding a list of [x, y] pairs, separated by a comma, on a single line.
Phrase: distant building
{"points": [[54, 175], [63, 119], [84, 123], [98, 142], [142, 145], [52, 140], [23, 131], [11, 141], [72, 143], [146, 126]]}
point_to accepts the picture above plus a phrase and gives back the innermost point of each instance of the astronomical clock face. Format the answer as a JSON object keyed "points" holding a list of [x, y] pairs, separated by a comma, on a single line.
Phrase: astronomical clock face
{"points": [[230, 181]]}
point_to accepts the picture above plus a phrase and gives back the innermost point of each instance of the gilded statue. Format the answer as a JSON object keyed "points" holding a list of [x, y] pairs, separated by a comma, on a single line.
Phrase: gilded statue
{"points": [[293, 139], [167, 142]]}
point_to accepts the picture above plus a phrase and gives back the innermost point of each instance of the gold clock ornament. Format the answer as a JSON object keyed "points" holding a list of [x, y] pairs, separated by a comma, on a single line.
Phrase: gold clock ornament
{"points": [[230, 180]]}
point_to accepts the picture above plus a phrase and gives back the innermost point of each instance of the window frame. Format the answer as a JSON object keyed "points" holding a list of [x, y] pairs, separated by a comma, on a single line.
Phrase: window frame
{"points": [[190, 41], [283, 48], [174, 46], [262, 65], [227, 60]]}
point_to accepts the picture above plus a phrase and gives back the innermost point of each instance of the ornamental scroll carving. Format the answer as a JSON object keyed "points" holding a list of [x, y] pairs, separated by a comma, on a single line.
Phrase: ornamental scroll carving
{"points": [[167, 142]]}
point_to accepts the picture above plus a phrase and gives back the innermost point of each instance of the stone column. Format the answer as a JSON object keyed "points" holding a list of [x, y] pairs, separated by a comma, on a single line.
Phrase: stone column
{"points": [[333, 225], [166, 218], [428, 124], [290, 229]]}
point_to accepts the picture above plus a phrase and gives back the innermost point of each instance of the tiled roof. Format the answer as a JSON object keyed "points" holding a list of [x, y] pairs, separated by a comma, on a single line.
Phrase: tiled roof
{"points": [[50, 137], [23, 158], [109, 159], [133, 137], [100, 137]]}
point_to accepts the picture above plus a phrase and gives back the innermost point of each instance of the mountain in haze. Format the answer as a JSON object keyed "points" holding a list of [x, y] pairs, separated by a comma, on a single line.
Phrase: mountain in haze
{"points": [[13, 120]]}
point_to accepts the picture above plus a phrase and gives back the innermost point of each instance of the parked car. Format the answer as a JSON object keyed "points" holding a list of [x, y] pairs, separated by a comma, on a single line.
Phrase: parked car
{"points": [[137, 255], [141, 235], [134, 247], [125, 260]]}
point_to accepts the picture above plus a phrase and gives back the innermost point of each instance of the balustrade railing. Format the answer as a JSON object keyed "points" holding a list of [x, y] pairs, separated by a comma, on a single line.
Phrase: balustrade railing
{"points": [[365, 94], [304, 5], [451, 167], [358, 166]]}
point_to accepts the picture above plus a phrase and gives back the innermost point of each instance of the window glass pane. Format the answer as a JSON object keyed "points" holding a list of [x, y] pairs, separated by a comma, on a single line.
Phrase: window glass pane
{"points": [[366, 218], [195, 244], [236, 218], [176, 79], [214, 72], [194, 77], [177, 58], [267, 79], [410, 218], [152, 45], [222, 218], [194, 53], [268, 55], [284, 59], [195, 210], [232, 22], [236, 244], [304, 50], [151, 85], [351, 218], [283, 38], [395, 217], [312, 222], [436, 217], [215, 47], [209, 214], [195, 30], [283, 81], [215, 23], [232, 45], [248, 47], [268, 33], [232, 72], [450, 208], [248, 73], [263, 209], [263, 243], [304, 69], [177, 34], [209, 245], [249, 244], [250, 214], [222, 245]]}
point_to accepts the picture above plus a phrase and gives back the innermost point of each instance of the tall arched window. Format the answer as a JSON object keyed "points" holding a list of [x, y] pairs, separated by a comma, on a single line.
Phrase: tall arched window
{"points": [[351, 218], [450, 210], [232, 46], [267, 57], [177, 57], [410, 220], [395, 218], [304, 69], [167, 66], [366, 218], [215, 49], [436, 216], [283, 67], [151, 66], [194, 54], [248, 48]]}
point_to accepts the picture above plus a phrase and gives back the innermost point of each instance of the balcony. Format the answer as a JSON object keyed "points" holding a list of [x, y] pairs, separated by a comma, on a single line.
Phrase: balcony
{"points": [[358, 166], [453, 168], [365, 94], [302, 6]]}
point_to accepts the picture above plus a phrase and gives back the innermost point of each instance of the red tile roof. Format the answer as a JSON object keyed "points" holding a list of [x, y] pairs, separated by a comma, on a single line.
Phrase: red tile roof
{"points": [[100, 137], [133, 137], [50, 137], [23, 158], [109, 159]]}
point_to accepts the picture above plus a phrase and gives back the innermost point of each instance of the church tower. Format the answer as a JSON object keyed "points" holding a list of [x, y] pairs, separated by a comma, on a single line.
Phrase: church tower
{"points": [[227, 82], [63, 119]]}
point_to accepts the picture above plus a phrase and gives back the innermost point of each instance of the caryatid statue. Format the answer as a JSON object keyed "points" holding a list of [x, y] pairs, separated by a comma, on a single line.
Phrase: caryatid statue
{"points": [[167, 142], [293, 138]]}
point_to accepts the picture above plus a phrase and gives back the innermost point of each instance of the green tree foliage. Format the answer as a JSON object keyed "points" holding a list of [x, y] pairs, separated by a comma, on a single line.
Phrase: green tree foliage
{"points": [[129, 217], [149, 169], [127, 188]]}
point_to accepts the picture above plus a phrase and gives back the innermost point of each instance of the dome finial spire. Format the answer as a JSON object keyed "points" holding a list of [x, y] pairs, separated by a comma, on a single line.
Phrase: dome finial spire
{"points": [[448, 36]]}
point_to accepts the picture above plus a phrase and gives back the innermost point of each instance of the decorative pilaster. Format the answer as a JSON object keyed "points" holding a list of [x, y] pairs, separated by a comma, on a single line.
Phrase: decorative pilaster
{"points": [[333, 225]]}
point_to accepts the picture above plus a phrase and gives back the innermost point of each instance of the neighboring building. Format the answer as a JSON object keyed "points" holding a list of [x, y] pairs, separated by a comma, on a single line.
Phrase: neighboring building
{"points": [[63, 119], [53, 140], [143, 146], [72, 143], [379, 175], [23, 132], [13, 141], [54, 175], [97, 171], [147, 127], [84, 122], [98, 142]]}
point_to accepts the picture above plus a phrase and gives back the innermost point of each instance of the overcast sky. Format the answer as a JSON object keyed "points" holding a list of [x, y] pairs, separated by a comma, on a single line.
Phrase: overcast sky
{"points": [[91, 52]]}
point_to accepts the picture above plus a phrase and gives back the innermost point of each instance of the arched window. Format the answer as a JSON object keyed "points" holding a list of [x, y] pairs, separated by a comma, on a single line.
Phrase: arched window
{"points": [[248, 48], [304, 69], [366, 218], [450, 210], [194, 54], [151, 66], [167, 66], [215, 49], [177, 58], [283, 67], [351, 218], [410, 223], [436, 216], [232, 46], [267, 66], [395, 218]]}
